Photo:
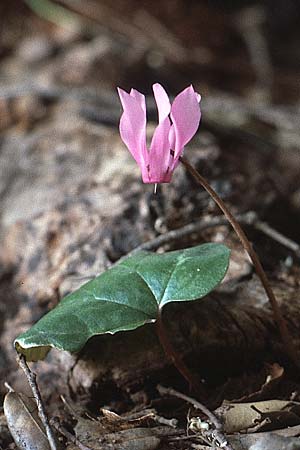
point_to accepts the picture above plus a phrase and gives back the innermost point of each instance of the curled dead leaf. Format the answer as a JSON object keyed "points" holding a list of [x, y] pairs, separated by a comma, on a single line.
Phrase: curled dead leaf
{"points": [[23, 422], [110, 434], [243, 416]]}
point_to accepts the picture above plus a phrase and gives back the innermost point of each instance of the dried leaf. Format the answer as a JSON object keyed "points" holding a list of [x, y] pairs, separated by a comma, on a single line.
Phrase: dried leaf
{"points": [[93, 434], [23, 422], [135, 439], [111, 416], [242, 416]]}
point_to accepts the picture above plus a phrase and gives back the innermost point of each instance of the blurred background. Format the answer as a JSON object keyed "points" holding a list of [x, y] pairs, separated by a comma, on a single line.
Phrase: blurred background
{"points": [[239, 46], [60, 64], [63, 166]]}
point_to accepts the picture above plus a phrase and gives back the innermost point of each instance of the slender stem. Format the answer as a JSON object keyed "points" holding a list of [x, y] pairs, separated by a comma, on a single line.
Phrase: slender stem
{"points": [[174, 356], [285, 336], [31, 378]]}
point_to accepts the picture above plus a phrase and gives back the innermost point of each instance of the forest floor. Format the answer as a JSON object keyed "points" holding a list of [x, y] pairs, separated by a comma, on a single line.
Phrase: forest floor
{"points": [[72, 203]]}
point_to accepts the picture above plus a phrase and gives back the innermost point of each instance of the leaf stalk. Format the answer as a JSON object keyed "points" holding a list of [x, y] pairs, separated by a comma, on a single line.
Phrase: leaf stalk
{"points": [[174, 356]]}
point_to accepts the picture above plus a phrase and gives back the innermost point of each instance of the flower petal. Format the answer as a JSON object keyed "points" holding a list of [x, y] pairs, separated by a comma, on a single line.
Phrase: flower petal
{"points": [[162, 101], [140, 98], [159, 155], [172, 138], [133, 127], [185, 115]]}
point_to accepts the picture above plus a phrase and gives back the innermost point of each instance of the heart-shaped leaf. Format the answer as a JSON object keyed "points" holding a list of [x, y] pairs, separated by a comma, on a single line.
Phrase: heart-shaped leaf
{"points": [[126, 296]]}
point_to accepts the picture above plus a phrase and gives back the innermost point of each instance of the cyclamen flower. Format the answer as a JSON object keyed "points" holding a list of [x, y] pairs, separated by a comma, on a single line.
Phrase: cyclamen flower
{"points": [[177, 124]]}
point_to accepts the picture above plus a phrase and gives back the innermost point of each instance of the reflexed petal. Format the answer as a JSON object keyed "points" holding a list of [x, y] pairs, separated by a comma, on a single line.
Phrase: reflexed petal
{"points": [[132, 103], [140, 98], [172, 138], [162, 101], [135, 142], [133, 127], [159, 155], [185, 115]]}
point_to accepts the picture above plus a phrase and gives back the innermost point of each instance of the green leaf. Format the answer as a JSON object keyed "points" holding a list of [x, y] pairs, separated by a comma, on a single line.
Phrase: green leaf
{"points": [[126, 296]]}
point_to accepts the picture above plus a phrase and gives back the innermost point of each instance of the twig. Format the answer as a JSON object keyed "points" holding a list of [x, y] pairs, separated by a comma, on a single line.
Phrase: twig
{"points": [[172, 423], [285, 335], [31, 378], [276, 236], [187, 230], [217, 432], [68, 435], [169, 391], [248, 218], [142, 416]]}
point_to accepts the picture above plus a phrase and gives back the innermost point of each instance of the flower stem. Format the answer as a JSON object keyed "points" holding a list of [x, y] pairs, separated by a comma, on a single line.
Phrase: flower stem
{"points": [[174, 357], [285, 336]]}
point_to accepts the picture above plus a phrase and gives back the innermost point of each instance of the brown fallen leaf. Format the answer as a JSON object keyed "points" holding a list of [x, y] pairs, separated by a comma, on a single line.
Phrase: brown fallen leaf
{"points": [[23, 422], [243, 416], [114, 432], [92, 434], [134, 439]]}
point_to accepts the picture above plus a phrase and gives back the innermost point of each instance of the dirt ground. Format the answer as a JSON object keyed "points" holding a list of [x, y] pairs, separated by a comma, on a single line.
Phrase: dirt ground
{"points": [[72, 203]]}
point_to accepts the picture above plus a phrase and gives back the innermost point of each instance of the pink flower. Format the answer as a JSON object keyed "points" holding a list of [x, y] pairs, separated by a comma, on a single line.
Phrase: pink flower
{"points": [[177, 124]]}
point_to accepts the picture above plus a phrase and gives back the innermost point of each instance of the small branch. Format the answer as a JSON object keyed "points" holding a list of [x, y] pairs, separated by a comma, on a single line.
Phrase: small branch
{"points": [[173, 356], [31, 378], [142, 416], [218, 427], [69, 436], [248, 218], [213, 419], [172, 423], [285, 335], [278, 237], [187, 230]]}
